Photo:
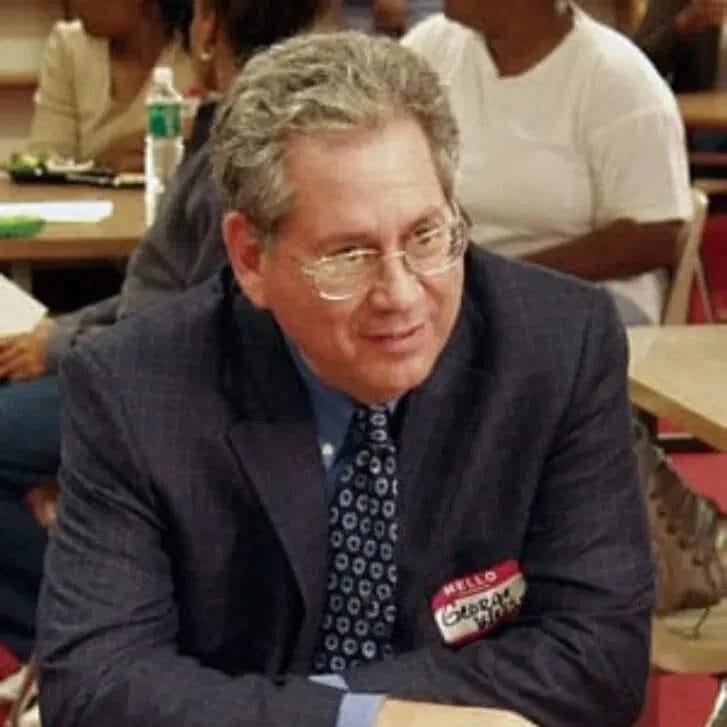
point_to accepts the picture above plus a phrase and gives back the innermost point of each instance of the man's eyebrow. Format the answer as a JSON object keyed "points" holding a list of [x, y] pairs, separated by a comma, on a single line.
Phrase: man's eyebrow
{"points": [[343, 238], [433, 213]]}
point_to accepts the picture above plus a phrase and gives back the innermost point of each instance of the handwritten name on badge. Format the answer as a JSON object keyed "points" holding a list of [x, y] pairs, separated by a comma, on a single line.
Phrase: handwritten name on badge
{"points": [[467, 608]]}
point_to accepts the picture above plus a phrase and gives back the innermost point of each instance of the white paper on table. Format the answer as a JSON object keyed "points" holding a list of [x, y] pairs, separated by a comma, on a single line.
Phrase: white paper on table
{"points": [[81, 210], [19, 311]]}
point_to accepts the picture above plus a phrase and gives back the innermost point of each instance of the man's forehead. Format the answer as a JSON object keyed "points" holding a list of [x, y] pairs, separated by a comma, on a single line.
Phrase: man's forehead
{"points": [[391, 154]]}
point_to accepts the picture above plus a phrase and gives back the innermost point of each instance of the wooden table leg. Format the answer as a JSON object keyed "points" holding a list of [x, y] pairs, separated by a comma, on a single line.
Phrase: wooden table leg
{"points": [[718, 717]]}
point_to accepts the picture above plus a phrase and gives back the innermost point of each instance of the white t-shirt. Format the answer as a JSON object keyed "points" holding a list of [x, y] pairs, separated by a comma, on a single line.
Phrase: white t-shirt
{"points": [[589, 135]]}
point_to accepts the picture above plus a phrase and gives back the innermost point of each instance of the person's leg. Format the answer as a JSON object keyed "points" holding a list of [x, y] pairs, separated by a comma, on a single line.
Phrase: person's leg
{"points": [[22, 547], [29, 455], [29, 433]]}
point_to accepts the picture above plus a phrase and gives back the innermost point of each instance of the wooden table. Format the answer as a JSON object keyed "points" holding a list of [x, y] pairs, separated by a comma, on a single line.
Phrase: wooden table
{"points": [[704, 110], [114, 237], [680, 373]]}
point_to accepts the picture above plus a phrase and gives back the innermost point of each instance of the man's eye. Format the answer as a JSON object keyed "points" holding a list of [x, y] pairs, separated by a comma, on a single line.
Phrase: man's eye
{"points": [[432, 237]]}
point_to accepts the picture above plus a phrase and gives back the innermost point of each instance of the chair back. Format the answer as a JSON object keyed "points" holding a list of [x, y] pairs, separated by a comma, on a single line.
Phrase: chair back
{"points": [[676, 306]]}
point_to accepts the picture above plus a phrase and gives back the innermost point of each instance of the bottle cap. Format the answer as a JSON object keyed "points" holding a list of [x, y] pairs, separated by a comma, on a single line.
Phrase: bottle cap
{"points": [[162, 75]]}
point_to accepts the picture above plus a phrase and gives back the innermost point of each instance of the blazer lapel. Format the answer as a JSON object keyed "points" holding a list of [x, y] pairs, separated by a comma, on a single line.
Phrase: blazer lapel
{"points": [[275, 444], [429, 408], [428, 468]]}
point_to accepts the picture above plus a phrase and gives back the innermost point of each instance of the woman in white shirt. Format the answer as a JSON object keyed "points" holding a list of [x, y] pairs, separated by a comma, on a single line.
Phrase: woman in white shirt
{"points": [[572, 145], [95, 73]]}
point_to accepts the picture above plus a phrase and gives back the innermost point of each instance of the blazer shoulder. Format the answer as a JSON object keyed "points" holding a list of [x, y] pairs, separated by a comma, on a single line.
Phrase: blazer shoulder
{"points": [[525, 295], [177, 336]]}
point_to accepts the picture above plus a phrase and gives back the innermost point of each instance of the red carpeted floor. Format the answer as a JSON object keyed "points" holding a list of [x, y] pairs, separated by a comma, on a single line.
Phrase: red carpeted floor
{"points": [[8, 664], [714, 256]]}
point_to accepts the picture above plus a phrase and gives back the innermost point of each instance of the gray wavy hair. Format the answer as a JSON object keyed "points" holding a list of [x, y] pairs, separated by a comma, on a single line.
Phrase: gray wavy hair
{"points": [[313, 84]]}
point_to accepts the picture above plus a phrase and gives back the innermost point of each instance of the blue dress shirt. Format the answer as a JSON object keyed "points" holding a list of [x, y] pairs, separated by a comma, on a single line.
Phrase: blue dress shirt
{"points": [[332, 411]]}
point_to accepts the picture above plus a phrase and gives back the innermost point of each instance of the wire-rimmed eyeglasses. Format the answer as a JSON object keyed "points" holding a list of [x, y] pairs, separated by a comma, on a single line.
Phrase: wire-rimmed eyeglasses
{"points": [[427, 251]]}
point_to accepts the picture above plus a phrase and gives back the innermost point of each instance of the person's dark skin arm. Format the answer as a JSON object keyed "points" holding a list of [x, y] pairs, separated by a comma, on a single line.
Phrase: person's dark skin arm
{"points": [[620, 249]]}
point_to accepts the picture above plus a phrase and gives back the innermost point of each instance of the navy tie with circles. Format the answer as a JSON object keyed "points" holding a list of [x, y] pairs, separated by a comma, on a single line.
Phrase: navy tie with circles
{"points": [[360, 609]]}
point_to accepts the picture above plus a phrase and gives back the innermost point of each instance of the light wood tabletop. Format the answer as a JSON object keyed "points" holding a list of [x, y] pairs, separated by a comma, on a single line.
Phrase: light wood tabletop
{"points": [[704, 110], [680, 373], [114, 237]]}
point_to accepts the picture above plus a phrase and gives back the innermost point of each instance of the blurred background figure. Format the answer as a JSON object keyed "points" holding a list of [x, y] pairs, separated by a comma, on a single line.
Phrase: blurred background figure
{"points": [[573, 150], [623, 15], [686, 42], [94, 78], [393, 17]]}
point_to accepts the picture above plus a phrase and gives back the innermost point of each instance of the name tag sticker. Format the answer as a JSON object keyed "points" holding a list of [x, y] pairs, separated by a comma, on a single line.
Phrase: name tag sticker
{"points": [[466, 608]]}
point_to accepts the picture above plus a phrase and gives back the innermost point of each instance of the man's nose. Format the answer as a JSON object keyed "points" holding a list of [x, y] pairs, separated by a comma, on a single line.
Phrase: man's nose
{"points": [[397, 287]]}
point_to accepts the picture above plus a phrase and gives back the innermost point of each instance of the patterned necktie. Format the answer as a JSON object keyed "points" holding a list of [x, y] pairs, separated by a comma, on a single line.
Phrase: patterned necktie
{"points": [[360, 610]]}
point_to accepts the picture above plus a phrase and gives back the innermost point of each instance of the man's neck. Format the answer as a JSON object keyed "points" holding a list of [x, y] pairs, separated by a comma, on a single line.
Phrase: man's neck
{"points": [[523, 41]]}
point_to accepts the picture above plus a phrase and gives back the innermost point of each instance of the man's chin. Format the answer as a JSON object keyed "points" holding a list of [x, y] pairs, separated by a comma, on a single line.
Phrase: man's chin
{"points": [[392, 385]]}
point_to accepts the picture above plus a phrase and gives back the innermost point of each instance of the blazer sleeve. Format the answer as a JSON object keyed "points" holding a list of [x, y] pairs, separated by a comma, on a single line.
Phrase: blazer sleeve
{"points": [[82, 324], [184, 245], [107, 617], [578, 652]]}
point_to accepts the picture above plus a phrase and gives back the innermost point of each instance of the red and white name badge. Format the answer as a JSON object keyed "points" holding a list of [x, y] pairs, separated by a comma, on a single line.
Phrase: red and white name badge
{"points": [[468, 607]]}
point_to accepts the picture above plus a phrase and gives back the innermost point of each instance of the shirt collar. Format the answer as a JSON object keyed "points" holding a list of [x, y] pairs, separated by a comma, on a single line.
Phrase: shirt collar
{"points": [[332, 409]]}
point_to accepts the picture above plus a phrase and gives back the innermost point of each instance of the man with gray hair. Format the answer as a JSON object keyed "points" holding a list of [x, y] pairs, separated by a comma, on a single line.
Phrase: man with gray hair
{"points": [[364, 475]]}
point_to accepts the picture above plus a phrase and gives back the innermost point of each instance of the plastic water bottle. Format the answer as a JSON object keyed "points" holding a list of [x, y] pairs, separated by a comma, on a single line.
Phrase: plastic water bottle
{"points": [[164, 142]]}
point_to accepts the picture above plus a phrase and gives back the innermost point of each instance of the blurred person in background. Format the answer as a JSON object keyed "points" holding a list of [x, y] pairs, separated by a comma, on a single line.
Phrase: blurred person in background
{"points": [[95, 74], [573, 150], [686, 42], [182, 248], [622, 15], [392, 17]]}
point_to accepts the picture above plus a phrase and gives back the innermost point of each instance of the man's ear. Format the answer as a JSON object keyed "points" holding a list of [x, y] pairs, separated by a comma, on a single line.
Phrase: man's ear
{"points": [[246, 256]]}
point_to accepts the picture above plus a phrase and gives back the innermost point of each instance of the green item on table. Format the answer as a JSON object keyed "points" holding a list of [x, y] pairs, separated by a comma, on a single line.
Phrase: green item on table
{"points": [[20, 225]]}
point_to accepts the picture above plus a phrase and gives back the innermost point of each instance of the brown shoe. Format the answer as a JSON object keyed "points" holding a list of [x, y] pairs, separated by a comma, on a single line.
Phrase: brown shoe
{"points": [[688, 535]]}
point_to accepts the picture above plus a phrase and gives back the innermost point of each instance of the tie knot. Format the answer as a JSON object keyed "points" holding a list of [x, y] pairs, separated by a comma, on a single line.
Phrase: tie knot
{"points": [[373, 422]]}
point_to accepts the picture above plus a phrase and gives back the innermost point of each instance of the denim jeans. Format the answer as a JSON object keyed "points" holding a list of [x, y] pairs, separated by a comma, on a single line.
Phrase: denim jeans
{"points": [[29, 455], [29, 433]]}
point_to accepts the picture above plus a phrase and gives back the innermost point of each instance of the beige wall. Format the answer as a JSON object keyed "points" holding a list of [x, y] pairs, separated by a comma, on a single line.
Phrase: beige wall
{"points": [[24, 25]]}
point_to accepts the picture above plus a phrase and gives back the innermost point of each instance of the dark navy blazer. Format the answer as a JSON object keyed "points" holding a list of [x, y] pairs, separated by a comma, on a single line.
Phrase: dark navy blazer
{"points": [[186, 577]]}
